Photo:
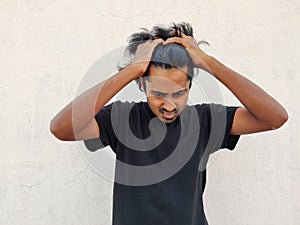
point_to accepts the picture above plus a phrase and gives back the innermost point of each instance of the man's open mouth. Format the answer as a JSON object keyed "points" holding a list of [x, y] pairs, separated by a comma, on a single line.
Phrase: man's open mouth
{"points": [[169, 115]]}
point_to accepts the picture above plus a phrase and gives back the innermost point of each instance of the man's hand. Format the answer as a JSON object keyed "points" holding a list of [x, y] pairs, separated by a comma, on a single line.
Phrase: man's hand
{"points": [[197, 55], [143, 55]]}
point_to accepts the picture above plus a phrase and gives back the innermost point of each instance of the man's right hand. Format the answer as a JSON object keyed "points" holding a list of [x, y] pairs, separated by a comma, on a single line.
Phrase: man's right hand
{"points": [[143, 55]]}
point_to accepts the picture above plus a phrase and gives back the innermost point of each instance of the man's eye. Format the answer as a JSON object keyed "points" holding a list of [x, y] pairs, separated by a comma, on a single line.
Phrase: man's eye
{"points": [[158, 94], [181, 93]]}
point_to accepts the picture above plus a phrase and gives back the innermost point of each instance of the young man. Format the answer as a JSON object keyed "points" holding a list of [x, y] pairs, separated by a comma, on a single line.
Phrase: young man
{"points": [[162, 145]]}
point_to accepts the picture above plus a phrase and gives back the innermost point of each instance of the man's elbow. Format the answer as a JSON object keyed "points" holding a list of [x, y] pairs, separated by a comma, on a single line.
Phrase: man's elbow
{"points": [[280, 120], [59, 132]]}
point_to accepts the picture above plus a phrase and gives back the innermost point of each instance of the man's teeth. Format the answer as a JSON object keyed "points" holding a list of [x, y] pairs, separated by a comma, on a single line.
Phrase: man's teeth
{"points": [[169, 114]]}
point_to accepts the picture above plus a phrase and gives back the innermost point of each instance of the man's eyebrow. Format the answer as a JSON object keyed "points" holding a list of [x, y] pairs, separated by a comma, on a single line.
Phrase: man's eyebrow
{"points": [[165, 93], [180, 91], [158, 91]]}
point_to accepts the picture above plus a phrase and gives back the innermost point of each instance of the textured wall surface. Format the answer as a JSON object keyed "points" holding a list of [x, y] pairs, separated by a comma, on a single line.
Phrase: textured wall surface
{"points": [[46, 47]]}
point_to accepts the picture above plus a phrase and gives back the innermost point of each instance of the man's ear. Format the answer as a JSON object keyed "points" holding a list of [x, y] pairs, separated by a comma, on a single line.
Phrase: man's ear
{"points": [[142, 84]]}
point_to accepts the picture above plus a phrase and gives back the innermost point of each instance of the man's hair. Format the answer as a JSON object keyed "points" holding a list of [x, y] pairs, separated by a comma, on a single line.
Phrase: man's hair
{"points": [[164, 56]]}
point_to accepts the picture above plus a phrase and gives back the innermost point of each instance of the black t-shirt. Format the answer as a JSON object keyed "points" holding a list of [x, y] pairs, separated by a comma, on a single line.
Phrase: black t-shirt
{"points": [[160, 170]]}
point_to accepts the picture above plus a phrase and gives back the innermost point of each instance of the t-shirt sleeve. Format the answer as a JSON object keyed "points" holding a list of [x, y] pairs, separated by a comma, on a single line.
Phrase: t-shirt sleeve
{"points": [[229, 140], [107, 135], [220, 119]]}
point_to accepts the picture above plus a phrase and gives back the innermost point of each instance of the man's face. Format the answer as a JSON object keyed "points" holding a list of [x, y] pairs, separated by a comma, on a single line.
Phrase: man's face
{"points": [[167, 92]]}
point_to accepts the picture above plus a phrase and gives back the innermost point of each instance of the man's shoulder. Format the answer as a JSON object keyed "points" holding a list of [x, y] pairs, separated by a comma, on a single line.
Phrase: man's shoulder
{"points": [[127, 103], [119, 105], [123, 109], [208, 110], [199, 106], [209, 106]]}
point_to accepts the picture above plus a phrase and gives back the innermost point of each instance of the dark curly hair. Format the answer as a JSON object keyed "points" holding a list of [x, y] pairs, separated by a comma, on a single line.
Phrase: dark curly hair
{"points": [[165, 56]]}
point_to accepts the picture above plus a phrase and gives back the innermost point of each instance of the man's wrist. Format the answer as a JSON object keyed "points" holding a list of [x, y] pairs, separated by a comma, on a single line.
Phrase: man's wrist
{"points": [[206, 62], [136, 70]]}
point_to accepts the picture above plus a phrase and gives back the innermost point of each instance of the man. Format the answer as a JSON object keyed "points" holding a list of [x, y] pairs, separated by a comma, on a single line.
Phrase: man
{"points": [[162, 145]]}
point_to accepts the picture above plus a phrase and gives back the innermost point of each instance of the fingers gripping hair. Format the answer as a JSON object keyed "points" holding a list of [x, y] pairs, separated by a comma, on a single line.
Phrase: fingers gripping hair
{"points": [[173, 30], [159, 31]]}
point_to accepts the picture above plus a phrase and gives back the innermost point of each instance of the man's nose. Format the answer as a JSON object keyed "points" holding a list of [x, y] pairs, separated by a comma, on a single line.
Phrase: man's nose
{"points": [[169, 104]]}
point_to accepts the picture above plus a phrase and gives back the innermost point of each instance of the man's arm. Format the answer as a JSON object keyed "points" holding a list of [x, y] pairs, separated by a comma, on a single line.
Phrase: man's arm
{"points": [[77, 120], [261, 112]]}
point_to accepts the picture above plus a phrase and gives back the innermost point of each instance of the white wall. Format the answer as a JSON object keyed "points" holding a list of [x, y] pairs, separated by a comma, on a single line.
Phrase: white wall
{"points": [[47, 46]]}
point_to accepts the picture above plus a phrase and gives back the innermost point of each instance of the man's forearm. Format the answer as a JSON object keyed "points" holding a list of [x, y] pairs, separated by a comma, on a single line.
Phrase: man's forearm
{"points": [[76, 115], [260, 104]]}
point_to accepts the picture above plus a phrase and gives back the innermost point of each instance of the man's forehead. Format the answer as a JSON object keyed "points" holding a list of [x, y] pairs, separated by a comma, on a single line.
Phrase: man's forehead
{"points": [[166, 85], [171, 78], [158, 71]]}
